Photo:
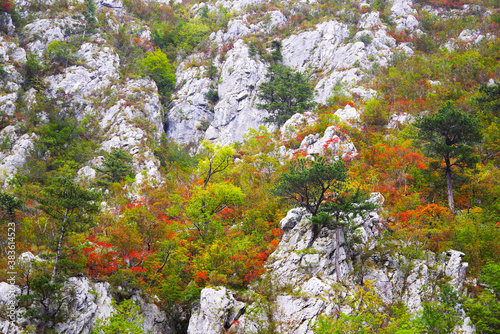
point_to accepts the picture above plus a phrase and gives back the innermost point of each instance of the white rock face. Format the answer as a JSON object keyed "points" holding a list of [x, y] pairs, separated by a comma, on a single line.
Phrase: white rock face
{"points": [[216, 311], [191, 110], [317, 47], [16, 157], [403, 13], [370, 20], [90, 302], [8, 295], [86, 302], [6, 22], [324, 49], [237, 5], [310, 272], [349, 115], [49, 30], [235, 111], [7, 104], [123, 128], [12, 57], [332, 143], [101, 68], [399, 119]]}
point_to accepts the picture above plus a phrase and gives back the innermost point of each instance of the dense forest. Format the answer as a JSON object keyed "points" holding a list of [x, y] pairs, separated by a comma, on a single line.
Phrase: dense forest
{"points": [[426, 137]]}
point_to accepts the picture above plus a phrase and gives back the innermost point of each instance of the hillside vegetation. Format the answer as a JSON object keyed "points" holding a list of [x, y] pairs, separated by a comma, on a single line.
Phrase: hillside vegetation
{"points": [[105, 173]]}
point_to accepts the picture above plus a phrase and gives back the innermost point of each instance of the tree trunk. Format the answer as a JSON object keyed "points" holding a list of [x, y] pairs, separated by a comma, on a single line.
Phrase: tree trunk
{"points": [[315, 232], [451, 204], [59, 248], [337, 247], [41, 326]]}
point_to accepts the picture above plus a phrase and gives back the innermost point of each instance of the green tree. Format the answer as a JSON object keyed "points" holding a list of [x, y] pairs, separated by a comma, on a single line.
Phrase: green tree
{"points": [[484, 310], [9, 204], [491, 97], [322, 188], [47, 299], [117, 166], [369, 315], [206, 202], [157, 66], [89, 15], [306, 183], [217, 159], [441, 317], [343, 205], [62, 52], [449, 135], [490, 102], [276, 55], [125, 319], [285, 93], [70, 207]]}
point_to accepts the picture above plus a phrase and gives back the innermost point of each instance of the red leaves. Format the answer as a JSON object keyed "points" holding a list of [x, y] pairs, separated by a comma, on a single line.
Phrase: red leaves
{"points": [[200, 276], [6, 7], [144, 43], [402, 36]]}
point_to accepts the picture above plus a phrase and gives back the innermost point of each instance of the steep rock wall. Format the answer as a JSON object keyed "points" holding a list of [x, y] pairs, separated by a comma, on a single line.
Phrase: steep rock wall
{"points": [[304, 284]]}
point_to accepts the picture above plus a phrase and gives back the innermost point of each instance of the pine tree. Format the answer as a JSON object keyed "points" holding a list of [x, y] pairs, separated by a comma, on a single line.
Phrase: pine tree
{"points": [[322, 188], [284, 94], [70, 207], [117, 166], [89, 15], [449, 135], [343, 206]]}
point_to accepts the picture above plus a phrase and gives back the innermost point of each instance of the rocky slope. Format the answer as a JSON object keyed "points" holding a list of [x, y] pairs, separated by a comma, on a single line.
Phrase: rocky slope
{"points": [[303, 280], [336, 59], [85, 302], [337, 54]]}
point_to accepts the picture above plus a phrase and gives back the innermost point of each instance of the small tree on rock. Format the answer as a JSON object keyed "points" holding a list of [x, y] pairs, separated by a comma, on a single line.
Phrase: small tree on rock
{"points": [[285, 93], [342, 205], [322, 188], [117, 166]]}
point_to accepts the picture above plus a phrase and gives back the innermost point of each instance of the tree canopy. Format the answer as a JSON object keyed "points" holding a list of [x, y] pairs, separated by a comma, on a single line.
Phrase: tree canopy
{"points": [[70, 206], [449, 135], [285, 93]]}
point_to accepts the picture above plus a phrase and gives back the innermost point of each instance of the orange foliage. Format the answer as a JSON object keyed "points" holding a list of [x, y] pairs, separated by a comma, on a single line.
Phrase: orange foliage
{"points": [[429, 224], [388, 169]]}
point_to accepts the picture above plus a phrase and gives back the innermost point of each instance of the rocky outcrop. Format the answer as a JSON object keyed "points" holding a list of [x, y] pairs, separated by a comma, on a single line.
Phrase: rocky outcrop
{"points": [[40, 33], [216, 311], [192, 116], [332, 143], [12, 57], [303, 279], [15, 154], [339, 59], [85, 302], [100, 69]]}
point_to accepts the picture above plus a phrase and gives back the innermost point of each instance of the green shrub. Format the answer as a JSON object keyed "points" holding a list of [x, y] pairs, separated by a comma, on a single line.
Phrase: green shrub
{"points": [[117, 167], [366, 39], [125, 318], [63, 53], [375, 113], [157, 66], [34, 70], [186, 35], [212, 95]]}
